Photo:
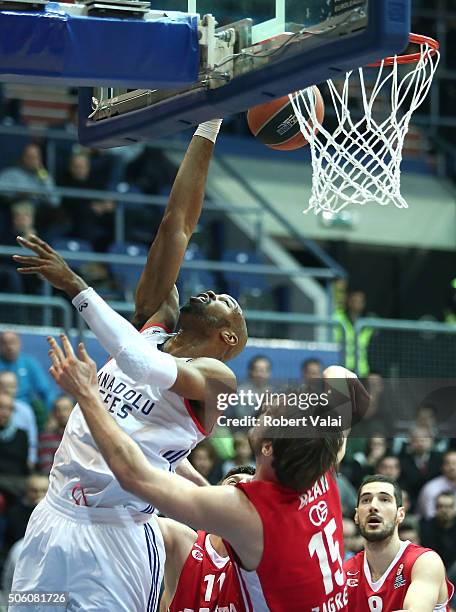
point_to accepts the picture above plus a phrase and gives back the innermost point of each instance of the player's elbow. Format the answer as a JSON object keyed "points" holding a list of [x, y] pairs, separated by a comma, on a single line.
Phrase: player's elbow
{"points": [[128, 479], [121, 472], [175, 231]]}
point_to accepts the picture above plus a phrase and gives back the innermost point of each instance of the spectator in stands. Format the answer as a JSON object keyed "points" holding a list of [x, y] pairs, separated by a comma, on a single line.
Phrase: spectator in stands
{"points": [[439, 532], [412, 518], [30, 174], [348, 495], [311, 370], [258, 381], [13, 442], [419, 463], [50, 438], [33, 383], [354, 309], [204, 460], [353, 542], [409, 531], [23, 415], [86, 219], [365, 463], [18, 514], [426, 416], [390, 466], [446, 482], [22, 222], [242, 453]]}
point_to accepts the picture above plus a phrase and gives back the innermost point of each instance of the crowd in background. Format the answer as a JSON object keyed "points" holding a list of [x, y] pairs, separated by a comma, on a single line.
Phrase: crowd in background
{"points": [[423, 459]]}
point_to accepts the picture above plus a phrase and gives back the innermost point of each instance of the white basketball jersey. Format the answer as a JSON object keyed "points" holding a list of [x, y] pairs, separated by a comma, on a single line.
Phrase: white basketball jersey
{"points": [[161, 422]]}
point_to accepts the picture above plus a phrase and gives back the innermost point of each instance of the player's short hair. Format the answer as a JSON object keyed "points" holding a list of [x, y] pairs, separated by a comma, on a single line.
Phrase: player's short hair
{"points": [[385, 479], [239, 469]]}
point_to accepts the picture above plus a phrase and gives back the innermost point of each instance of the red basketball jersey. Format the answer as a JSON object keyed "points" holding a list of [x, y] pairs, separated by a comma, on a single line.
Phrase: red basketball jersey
{"points": [[208, 582], [301, 568], [389, 592]]}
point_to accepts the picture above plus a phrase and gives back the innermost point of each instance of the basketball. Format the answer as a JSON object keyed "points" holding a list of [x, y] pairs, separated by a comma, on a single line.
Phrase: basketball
{"points": [[276, 125]]}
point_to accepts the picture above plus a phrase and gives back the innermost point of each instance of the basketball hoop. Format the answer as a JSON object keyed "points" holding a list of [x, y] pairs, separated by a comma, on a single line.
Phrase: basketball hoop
{"points": [[360, 161]]}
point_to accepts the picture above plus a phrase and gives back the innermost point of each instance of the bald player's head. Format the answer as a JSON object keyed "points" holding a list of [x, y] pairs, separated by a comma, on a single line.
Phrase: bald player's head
{"points": [[217, 317]]}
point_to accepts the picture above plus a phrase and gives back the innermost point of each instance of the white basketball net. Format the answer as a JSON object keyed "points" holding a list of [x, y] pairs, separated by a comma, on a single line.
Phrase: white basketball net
{"points": [[360, 162]]}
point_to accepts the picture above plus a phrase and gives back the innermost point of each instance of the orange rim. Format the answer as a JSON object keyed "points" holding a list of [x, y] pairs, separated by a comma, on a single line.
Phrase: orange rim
{"points": [[411, 58]]}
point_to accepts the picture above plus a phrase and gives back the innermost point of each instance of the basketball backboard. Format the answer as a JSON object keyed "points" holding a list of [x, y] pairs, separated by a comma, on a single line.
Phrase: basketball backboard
{"points": [[249, 52]]}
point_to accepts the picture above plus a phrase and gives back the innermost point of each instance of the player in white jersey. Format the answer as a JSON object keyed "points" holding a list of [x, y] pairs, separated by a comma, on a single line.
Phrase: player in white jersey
{"points": [[90, 537]]}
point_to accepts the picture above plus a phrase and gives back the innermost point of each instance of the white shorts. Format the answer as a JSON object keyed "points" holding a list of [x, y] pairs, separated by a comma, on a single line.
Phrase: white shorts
{"points": [[105, 559]]}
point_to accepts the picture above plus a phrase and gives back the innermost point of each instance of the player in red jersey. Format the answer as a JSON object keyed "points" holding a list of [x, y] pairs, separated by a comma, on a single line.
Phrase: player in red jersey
{"points": [[285, 526], [391, 575], [199, 576]]}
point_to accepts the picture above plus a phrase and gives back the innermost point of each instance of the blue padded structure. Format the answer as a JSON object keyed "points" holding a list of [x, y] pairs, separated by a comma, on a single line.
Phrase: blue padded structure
{"points": [[309, 62], [56, 48]]}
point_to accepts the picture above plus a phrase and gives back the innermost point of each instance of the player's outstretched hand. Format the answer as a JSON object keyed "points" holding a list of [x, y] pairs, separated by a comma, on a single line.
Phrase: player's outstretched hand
{"points": [[49, 264], [75, 374]]}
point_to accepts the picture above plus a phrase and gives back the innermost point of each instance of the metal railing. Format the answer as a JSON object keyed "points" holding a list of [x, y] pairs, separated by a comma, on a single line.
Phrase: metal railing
{"points": [[287, 325], [396, 349], [292, 327], [123, 199], [330, 271], [46, 303], [212, 266]]}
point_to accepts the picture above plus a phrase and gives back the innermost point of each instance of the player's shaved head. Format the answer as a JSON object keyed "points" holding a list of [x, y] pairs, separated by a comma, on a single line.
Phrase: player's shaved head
{"points": [[217, 317]]}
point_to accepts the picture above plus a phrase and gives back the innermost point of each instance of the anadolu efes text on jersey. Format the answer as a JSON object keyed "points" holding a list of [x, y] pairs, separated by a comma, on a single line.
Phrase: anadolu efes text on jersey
{"points": [[161, 422]]}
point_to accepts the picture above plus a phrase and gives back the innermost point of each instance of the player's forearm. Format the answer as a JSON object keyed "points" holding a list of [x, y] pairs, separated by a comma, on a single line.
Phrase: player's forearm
{"points": [[123, 456], [186, 470], [179, 222], [138, 359], [187, 195], [170, 493]]}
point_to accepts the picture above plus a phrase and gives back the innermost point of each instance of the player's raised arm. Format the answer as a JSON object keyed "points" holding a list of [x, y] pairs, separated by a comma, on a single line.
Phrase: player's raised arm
{"points": [[156, 295], [224, 511], [428, 575]]}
